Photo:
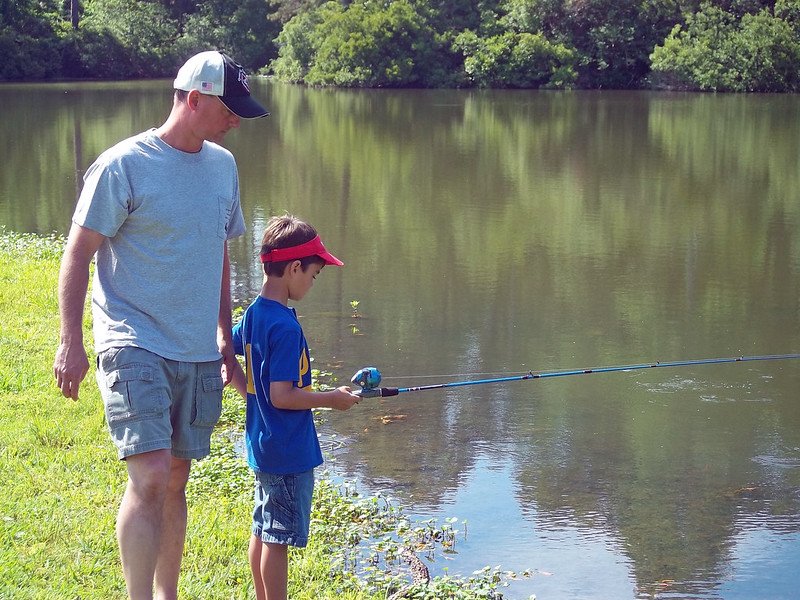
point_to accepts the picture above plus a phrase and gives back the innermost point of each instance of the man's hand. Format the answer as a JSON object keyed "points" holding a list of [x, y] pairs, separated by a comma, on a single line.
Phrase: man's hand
{"points": [[228, 363], [70, 367], [71, 363]]}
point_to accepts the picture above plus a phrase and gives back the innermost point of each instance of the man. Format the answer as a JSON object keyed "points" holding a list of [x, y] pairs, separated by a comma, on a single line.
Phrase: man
{"points": [[157, 210]]}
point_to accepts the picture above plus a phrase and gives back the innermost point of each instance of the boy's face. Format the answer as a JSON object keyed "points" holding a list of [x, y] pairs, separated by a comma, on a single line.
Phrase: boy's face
{"points": [[301, 281]]}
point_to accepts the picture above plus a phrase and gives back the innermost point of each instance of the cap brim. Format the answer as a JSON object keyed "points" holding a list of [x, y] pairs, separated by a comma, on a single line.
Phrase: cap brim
{"points": [[330, 259], [245, 107]]}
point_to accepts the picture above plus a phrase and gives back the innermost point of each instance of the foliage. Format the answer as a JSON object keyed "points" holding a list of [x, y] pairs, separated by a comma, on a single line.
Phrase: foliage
{"points": [[363, 44], [716, 52], [95, 54], [284, 10], [516, 60], [296, 47], [145, 29], [736, 45], [241, 27]]}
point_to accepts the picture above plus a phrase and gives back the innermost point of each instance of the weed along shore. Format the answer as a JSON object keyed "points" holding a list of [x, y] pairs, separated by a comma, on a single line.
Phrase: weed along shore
{"points": [[62, 484]]}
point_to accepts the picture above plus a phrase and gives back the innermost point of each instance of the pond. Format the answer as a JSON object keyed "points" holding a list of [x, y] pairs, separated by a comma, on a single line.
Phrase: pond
{"points": [[492, 233]]}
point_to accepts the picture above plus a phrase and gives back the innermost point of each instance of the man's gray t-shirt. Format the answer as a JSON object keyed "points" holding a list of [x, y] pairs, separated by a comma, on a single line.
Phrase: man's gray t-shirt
{"points": [[166, 215]]}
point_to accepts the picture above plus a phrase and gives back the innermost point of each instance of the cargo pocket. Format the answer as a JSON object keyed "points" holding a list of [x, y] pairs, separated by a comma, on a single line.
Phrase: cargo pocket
{"points": [[131, 395], [208, 401]]}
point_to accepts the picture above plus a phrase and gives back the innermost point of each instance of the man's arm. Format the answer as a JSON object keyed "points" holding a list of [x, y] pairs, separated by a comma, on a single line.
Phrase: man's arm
{"points": [[71, 363], [224, 324]]}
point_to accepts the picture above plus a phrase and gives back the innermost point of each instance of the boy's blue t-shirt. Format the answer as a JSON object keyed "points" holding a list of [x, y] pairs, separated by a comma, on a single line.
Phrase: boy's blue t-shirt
{"points": [[279, 441]]}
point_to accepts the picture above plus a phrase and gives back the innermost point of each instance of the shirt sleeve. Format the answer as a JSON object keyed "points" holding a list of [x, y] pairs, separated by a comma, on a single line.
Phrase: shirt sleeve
{"points": [[104, 202], [284, 355], [235, 225], [238, 344]]}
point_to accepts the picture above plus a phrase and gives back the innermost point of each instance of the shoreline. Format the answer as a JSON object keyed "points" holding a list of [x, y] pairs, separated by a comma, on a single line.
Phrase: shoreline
{"points": [[63, 483]]}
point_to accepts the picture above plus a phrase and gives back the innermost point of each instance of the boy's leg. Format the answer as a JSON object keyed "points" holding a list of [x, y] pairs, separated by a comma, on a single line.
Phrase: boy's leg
{"points": [[275, 570], [139, 520], [254, 554], [173, 531], [281, 517]]}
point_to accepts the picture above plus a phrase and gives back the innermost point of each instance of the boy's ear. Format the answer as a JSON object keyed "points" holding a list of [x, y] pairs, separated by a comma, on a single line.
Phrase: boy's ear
{"points": [[293, 267]]}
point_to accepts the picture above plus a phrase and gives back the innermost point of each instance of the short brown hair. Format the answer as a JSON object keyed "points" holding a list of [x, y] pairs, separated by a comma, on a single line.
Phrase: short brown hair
{"points": [[284, 232]]}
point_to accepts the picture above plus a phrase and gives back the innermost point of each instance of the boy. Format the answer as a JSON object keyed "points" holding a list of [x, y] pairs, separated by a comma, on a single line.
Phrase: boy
{"points": [[282, 445]]}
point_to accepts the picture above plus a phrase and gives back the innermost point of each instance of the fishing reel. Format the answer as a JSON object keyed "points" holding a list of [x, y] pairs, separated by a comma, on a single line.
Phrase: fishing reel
{"points": [[368, 379]]}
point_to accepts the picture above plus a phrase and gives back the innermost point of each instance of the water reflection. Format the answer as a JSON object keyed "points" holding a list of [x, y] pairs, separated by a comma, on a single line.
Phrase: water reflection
{"points": [[497, 232]]}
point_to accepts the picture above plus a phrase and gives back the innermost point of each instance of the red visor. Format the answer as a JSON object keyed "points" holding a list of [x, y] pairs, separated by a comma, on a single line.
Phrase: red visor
{"points": [[313, 247]]}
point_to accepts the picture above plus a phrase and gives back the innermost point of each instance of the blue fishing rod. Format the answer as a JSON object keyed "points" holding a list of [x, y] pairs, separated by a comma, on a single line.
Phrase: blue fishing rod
{"points": [[369, 378]]}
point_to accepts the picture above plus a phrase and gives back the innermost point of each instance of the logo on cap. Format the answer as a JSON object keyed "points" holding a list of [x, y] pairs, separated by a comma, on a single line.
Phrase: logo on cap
{"points": [[243, 79]]}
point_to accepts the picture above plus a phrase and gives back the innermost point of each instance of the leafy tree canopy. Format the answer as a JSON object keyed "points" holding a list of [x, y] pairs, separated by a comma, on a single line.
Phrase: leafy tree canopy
{"points": [[715, 45]]}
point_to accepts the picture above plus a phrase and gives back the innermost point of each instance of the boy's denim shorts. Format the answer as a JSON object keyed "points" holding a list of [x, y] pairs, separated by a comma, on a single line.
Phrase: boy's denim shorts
{"points": [[153, 403], [282, 512]]}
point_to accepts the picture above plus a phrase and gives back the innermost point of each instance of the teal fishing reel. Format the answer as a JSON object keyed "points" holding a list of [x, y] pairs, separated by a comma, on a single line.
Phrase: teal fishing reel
{"points": [[368, 379]]}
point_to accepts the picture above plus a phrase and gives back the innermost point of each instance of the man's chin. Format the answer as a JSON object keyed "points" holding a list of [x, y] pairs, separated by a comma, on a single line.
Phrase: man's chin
{"points": [[218, 139]]}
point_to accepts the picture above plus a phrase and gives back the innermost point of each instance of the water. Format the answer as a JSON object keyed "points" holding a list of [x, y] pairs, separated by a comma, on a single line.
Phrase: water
{"points": [[492, 233]]}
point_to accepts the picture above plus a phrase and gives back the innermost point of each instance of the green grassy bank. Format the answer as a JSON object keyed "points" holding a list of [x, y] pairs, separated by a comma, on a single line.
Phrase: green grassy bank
{"points": [[60, 484]]}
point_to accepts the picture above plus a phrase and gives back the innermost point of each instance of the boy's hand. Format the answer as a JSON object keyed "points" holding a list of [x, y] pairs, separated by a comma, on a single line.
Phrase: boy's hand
{"points": [[343, 399]]}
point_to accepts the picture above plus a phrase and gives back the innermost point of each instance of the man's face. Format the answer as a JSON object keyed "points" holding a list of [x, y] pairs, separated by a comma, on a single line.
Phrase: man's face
{"points": [[216, 118]]}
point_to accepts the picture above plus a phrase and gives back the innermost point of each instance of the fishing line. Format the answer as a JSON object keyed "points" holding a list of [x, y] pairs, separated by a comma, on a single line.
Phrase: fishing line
{"points": [[369, 378]]}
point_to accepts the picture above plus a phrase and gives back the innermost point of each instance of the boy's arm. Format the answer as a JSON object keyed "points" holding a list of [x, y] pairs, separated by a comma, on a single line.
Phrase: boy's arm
{"points": [[283, 394], [239, 379]]}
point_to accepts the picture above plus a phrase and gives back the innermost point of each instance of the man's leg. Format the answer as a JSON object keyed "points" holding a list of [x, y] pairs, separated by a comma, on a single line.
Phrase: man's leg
{"points": [[173, 531], [140, 517]]}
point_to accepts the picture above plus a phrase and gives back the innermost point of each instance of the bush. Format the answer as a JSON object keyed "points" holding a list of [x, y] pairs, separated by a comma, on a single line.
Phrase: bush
{"points": [[363, 44], [296, 47], [716, 52], [95, 55], [516, 60], [27, 58]]}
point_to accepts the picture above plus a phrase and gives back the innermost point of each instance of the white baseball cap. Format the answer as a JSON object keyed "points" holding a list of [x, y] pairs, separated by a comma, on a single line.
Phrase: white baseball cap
{"points": [[217, 74]]}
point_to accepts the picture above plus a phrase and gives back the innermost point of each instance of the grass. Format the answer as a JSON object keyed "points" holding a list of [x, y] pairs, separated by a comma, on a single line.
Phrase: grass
{"points": [[62, 483]]}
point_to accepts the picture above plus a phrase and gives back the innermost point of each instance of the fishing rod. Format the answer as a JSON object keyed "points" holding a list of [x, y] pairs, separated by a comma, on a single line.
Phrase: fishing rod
{"points": [[369, 378]]}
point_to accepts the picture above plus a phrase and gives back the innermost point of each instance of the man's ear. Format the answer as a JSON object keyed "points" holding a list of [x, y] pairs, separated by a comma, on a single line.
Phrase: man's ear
{"points": [[193, 99]]}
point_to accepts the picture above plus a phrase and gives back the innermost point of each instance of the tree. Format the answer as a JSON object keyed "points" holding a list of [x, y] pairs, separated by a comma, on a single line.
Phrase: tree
{"points": [[363, 44], [715, 51], [516, 60], [145, 28], [74, 13], [242, 28]]}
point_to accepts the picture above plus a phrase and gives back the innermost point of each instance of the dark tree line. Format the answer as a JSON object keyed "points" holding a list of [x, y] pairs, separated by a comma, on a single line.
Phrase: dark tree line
{"points": [[724, 45]]}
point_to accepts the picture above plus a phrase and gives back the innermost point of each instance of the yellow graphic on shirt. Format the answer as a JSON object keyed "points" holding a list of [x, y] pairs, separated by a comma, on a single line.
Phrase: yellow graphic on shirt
{"points": [[305, 367], [248, 363]]}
